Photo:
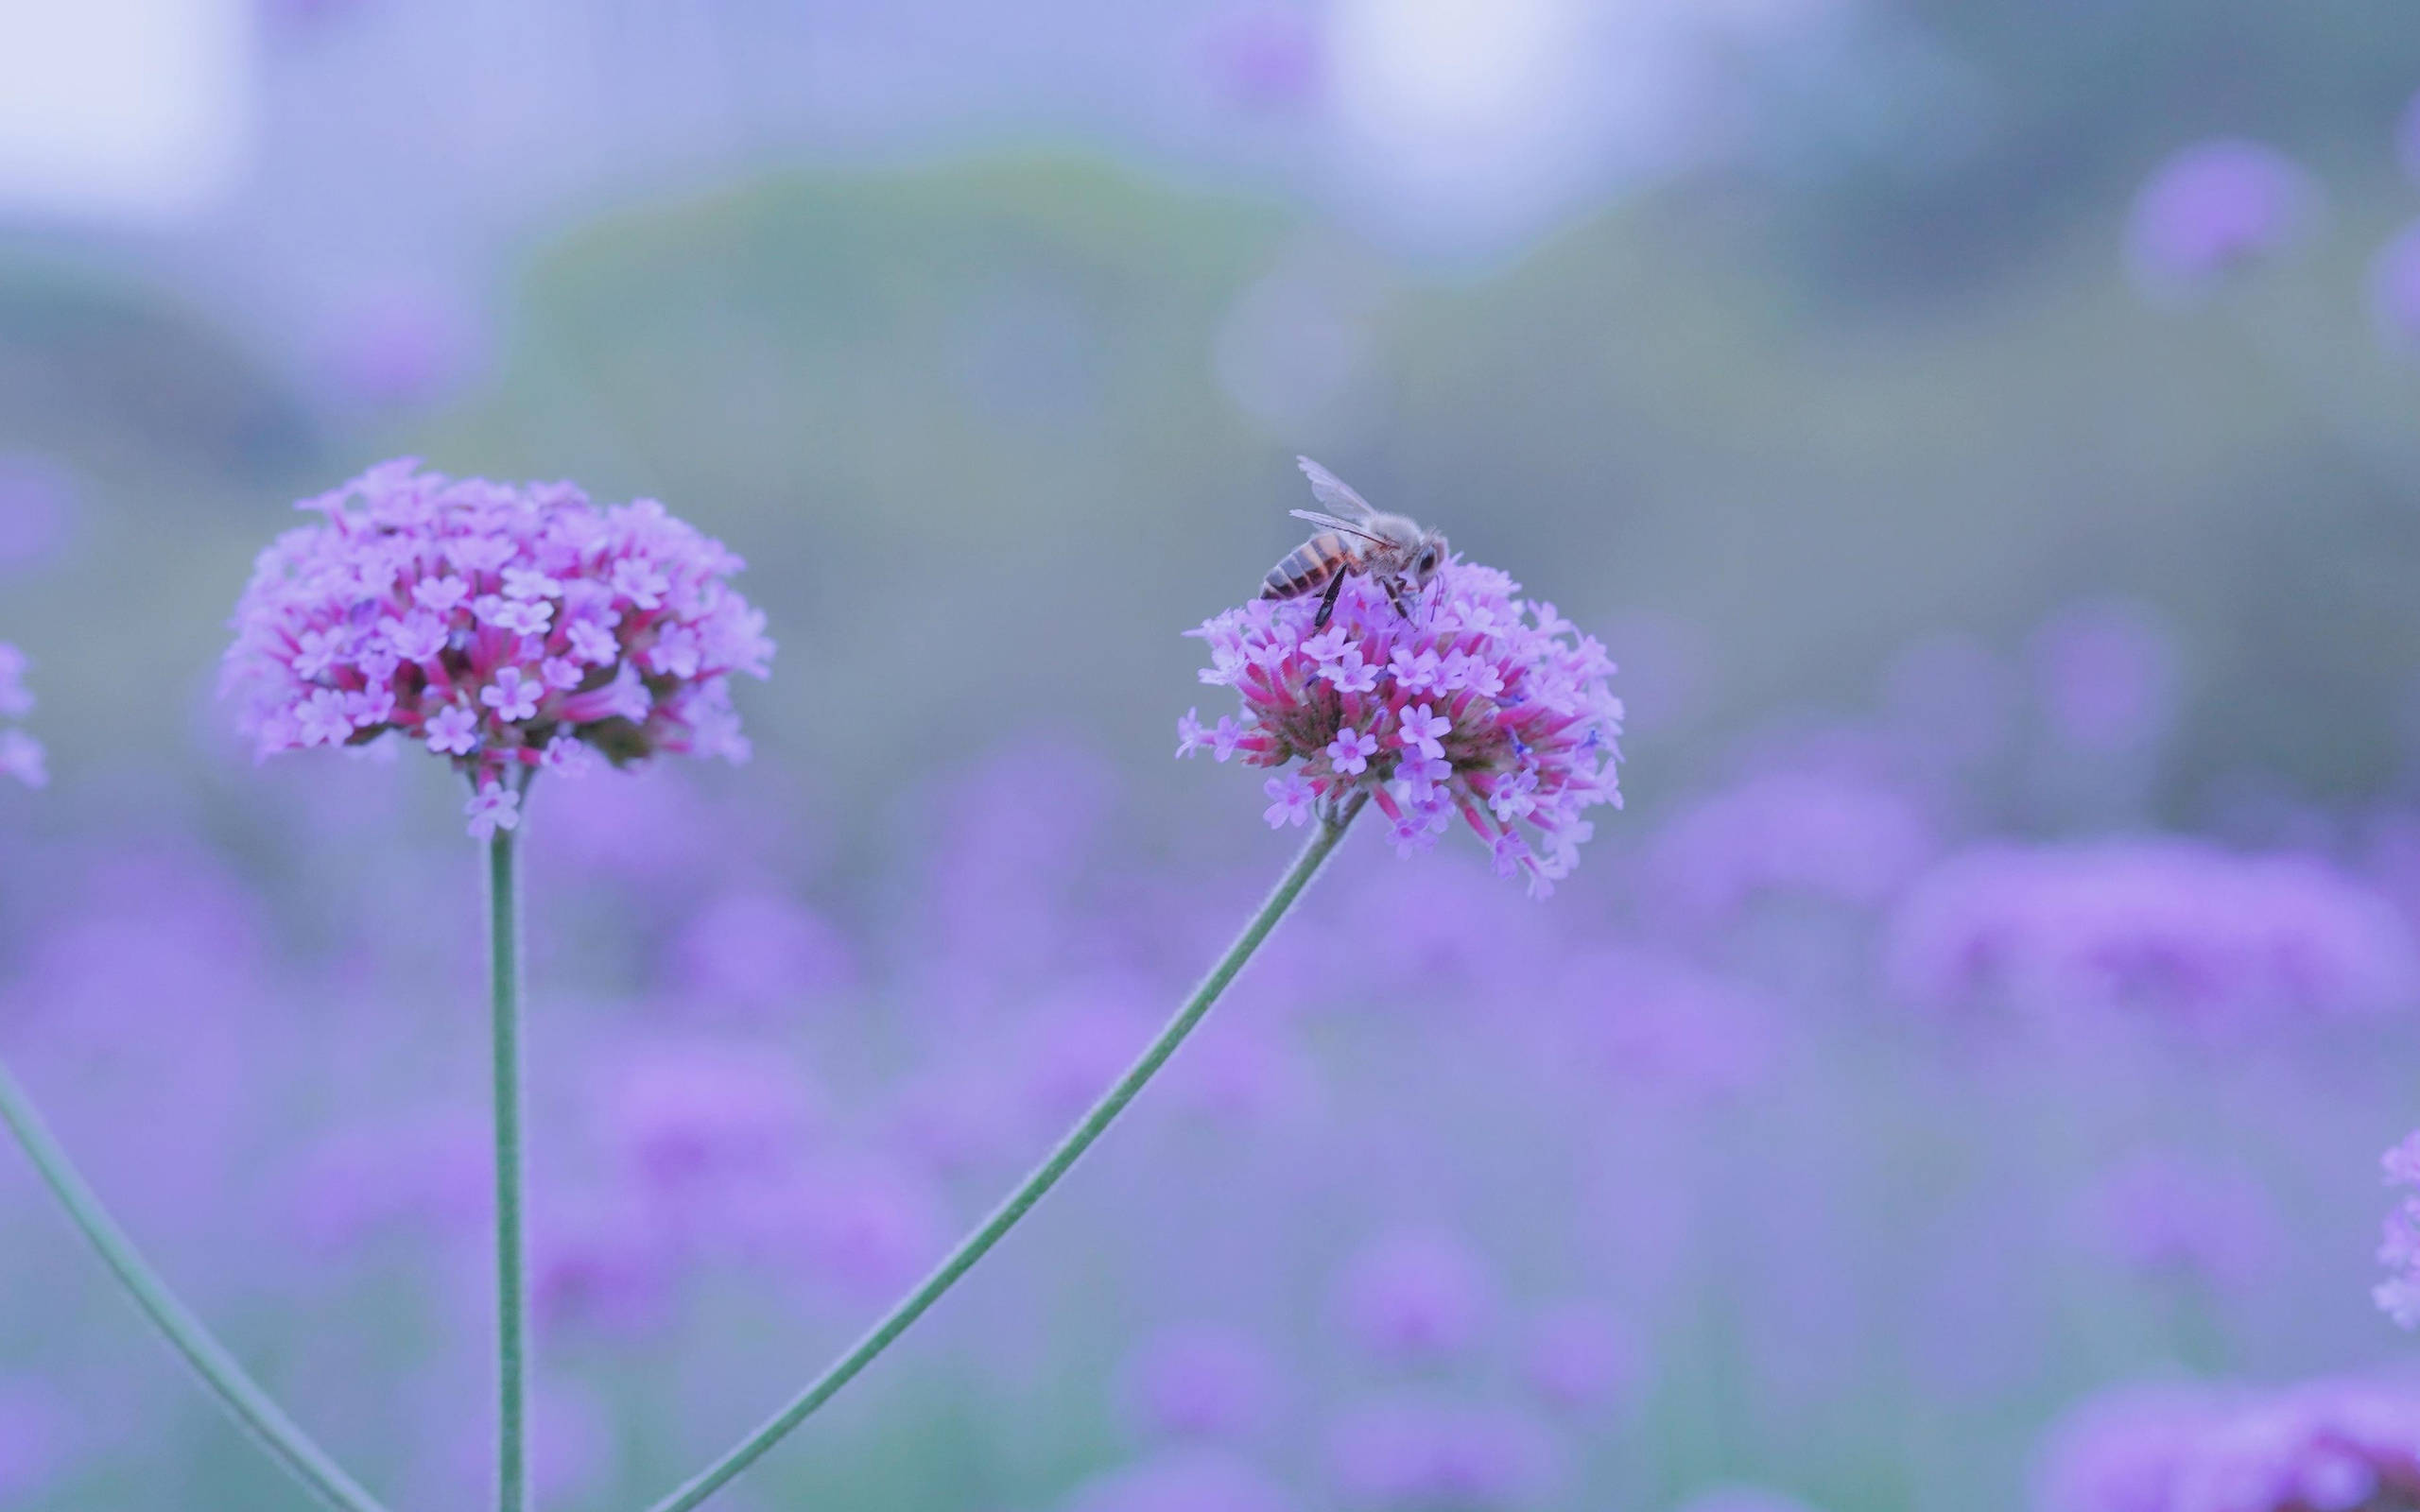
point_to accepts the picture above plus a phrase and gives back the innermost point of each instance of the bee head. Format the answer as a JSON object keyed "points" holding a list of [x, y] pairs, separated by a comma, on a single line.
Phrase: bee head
{"points": [[1432, 556]]}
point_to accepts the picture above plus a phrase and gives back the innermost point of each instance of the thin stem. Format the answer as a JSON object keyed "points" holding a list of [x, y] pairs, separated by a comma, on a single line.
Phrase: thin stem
{"points": [[251, 1407], [513, 1325], [1046, 1175]]}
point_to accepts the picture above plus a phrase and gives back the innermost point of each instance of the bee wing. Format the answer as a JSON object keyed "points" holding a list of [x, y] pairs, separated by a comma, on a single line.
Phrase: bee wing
{"points": [[1334, 491], [1334, 524]]}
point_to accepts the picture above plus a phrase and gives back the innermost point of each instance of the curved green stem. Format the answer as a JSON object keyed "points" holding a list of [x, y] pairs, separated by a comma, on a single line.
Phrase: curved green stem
{"points": [[513, 1325], [1046, 1175], [237, 1392]]}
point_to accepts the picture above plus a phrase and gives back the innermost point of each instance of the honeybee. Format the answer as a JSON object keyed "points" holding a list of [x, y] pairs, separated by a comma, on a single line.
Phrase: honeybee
{"points": [[1387, 548]]}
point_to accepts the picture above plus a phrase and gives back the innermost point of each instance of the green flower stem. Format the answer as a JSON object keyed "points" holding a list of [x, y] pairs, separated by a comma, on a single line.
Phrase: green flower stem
{"points": [[978, 1244], [237, 1392], [512, 1287]]}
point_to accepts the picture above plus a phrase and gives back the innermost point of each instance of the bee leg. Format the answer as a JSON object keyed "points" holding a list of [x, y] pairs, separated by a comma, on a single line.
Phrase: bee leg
{"points": [[1327, 602], [1394, 596]]}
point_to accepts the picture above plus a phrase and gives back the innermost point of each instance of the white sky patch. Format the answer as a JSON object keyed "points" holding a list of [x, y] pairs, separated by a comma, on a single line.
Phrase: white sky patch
{"points": [[122, 108]]}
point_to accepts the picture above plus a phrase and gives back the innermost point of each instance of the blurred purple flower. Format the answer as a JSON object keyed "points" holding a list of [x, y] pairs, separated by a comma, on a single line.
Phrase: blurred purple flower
{"points": [[2163, 1215], [1743, 1499], [1416, 1295], [2399, 1295], [857, 1221], [1199, 1381], [757, 949], [2179, 930], [1663, 1026], [1848, 839], [2107, 675], [36, 503], [2343, 1446], [417, 599], [1423, 1452], [1265, 58], [1513, 700], [1183, 1481], [600, 1263], [691, 1118], [1069, 1050], [2211, 210], [1578, 1354], [37, 1444], [2395, 292], [21, 755], [398, 347], [428, 1172]]}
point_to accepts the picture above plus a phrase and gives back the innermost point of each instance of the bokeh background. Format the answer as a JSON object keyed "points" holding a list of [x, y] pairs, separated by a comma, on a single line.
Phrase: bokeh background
{"points": [[1997, 993]]}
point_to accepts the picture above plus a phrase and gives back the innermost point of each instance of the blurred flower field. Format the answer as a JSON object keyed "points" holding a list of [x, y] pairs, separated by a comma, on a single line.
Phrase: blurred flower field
{"points": [[1956, 1080]]}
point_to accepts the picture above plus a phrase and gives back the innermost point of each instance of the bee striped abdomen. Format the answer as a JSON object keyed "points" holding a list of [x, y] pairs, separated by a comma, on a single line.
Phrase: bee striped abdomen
{"points": [[1307, 568]]}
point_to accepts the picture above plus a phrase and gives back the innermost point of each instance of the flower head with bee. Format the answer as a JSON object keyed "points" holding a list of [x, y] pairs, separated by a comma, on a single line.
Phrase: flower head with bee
{"points": [[1454, 698], [505, 627]]}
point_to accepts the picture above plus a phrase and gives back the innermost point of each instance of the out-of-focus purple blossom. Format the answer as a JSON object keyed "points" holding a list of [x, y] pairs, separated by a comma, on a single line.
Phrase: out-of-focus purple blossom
{"points": [[956, 1117], [427, 1173], [2395, 292], [21, 755], [398, 347], [36, 1442], [419, 602], [1068, 1052], [2163, 1215], [1663, 1026], [857, 1221], [2335, 1446], [1191, 1480], [2399, 1295], [692, 1119], [1848, 839], [2107, 675], [1265, 57], [1513, 700], [1430, 1453], [1247, 1072], [1416, 1297], [1199, 1381], [600, 1265], [23, 759], [1578, 1354], [2175, 929], [1743, 1499], [37, 504], [2213, 209], [755, 949]]}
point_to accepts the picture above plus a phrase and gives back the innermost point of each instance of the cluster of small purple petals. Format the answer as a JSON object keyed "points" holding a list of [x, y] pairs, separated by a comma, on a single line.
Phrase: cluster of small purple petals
{"points": [[507, 627], [1469, 702], [21, 755], [2399, 1295], [2343, 1446]]}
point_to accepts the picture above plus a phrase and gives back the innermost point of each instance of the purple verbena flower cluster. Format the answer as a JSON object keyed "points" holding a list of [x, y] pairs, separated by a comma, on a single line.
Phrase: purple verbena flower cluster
{"points": [[2332, 1446], [1468, 701], [507, 627], [21, 755]]}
